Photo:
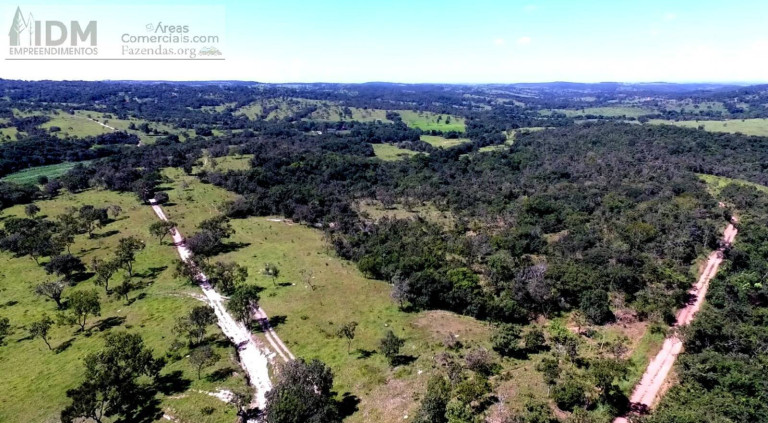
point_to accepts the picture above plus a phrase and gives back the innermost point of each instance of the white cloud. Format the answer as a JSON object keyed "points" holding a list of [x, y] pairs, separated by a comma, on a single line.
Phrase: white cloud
{"points": [[499, 41], [530, 8], [523, 41], [669, 17]]}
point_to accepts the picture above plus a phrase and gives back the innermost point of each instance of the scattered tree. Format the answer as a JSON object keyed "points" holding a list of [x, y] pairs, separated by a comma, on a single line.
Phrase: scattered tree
{"points": [[506, 340], [390, 346], [64, 265], [226, 276], [92, 218], [302, 393], [31, 210], [82, 304], [194, 324], [5, 328], [347, 330], [124, 289], [125, 255], [434, 405], [271, 270], [40, 328], [161, 229], [112, 385], [243, 302], [203, 356], [52, 290], [104, 271]]}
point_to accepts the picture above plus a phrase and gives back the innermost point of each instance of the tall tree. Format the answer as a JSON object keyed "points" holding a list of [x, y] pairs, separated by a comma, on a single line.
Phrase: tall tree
{"points": [[271, 270], [64, 265], [226, 276], [40, 328], [347, 331], [92, 218], [52, 290], [104, 271], [125, 254], [203, 356], [112, 385], [5, 328], [390, 346], [243, 302], [302, 393], [194, 324], [161, 229], [82, 304]]}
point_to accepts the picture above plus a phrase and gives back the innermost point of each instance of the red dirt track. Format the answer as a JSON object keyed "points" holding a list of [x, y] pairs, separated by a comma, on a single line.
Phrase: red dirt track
{"points": [[646, 392]]}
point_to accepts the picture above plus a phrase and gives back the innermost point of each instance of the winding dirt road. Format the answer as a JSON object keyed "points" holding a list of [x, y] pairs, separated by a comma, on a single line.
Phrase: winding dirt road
{"points": [[649, 388], [254, 356]]}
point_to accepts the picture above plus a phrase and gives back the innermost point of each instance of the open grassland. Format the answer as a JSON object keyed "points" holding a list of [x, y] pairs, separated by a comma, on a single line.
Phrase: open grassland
{"points": [[334, 113], [307, 319], [375, 210], [609, 111], [35, 379], [30, 176], [715, 184], [223, 164], [8, 134], [389, 152], [427, 121], [758, 127], [89, 123], [691, 107], [125, 125], [278, 108], [436, 141], [74, 125]]}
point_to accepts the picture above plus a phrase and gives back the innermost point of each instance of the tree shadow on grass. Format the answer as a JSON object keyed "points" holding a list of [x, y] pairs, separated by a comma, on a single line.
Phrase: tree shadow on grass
{"points": [[80, 277], [172, 383], [152, 272], [108, 323], [348, 405], [278, 320], [220, 374], [106, 234], [231, 247], [403, 360], [363, 354], [64, 346]]}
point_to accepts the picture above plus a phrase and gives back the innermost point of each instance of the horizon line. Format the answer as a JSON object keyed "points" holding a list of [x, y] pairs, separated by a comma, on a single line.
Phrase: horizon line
{"points": [[694, 82]]}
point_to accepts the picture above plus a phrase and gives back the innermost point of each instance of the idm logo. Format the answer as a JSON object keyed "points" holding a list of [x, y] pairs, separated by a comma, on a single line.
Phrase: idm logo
{"points": [[25, 30]]}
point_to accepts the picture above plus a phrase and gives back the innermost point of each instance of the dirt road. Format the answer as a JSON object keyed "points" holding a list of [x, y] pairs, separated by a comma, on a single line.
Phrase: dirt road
{"points": [[658, 369], [254, 357]]}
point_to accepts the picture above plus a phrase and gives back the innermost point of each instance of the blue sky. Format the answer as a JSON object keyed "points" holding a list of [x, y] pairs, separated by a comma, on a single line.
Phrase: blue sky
{"points": [[452, 41]]}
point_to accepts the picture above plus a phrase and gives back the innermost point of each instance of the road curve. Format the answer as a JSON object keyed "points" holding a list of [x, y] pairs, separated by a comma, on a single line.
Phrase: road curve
{"points": [[646, 392]]}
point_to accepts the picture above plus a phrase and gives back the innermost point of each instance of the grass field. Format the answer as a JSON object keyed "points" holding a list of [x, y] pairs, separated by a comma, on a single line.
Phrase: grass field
{"points": [[757, 127], [306, 319], [715, 184], [436, 141], [612, 111], [35, 379], [427, 121], [334, 113], [223, 164], [30, 176], [389, 152], [688, 106], [74, 125], [8, 134]]}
